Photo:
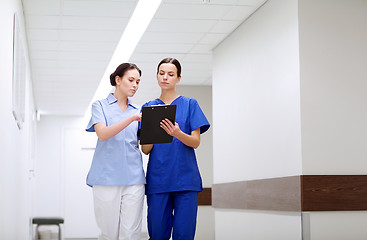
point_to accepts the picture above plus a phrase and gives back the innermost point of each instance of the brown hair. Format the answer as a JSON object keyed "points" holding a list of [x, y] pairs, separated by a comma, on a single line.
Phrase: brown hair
{"points": [[173, 61], [120, 71]]}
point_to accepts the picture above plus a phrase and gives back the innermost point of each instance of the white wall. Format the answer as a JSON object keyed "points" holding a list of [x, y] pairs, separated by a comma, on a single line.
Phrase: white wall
{"points": [[63, 160], [256, 116], [256, 97], [333, 54], [17, 146], [204, 153], [50, 162], [256, 225], [320, 97]]}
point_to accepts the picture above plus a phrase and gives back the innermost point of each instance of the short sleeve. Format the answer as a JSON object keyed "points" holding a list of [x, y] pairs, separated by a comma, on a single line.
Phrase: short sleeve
{"points": [[139, 123], [97, 116], [197, 117]]}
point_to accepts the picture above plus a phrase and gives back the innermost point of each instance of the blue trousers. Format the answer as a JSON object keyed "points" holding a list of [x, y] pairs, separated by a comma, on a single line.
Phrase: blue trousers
{"points": [[175, 211]]}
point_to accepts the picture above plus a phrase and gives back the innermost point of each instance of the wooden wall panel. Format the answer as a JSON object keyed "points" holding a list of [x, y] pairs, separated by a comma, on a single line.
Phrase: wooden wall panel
{"points": [[295, 193], [205, 197], [334, 192], [281, 194]]}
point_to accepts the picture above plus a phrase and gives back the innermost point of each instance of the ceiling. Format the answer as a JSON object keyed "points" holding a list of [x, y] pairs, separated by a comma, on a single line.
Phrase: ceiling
{"points": [[71, 42]]}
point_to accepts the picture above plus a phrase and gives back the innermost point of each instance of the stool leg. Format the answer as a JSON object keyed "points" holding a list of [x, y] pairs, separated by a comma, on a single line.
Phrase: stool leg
{"points": [[37, 233], [59, 231]]}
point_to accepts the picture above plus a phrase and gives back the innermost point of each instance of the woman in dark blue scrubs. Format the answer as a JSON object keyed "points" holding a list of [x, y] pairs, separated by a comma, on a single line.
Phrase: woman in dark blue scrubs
{"points": [[173, 177]]}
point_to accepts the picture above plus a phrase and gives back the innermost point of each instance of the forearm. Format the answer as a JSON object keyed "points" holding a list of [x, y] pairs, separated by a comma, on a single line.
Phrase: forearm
{"points": [[106, 132], [192, 140]]}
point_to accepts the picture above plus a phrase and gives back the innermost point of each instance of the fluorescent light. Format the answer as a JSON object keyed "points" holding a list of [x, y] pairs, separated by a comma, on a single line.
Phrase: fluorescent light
{"points": [[138, 23]]}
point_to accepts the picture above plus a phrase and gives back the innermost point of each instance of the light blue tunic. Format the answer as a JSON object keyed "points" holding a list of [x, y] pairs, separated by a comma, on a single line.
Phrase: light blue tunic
{"points": [[116, 161]]}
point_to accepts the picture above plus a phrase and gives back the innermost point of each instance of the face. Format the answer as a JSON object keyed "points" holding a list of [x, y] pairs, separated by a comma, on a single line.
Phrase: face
{"points": [[167, 76], [128, 84]]}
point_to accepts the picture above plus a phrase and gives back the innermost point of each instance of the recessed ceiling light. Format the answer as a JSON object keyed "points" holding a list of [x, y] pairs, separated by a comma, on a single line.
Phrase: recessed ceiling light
{"points": [[139, 21]]}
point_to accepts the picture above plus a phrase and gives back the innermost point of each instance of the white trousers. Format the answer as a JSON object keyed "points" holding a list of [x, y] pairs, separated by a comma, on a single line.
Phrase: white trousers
{"points": [[119, 211]]}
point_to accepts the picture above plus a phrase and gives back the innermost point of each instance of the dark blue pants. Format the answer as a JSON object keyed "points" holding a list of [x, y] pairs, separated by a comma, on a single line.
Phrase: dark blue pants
{"points": [[172, 210]]}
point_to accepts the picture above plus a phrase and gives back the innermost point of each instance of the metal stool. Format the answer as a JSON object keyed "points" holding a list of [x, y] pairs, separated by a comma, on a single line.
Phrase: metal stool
{"points": [[48, 221]]}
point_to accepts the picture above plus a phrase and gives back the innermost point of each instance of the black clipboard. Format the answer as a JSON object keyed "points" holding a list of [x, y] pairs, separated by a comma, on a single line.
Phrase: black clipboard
{"points": [[151, 131]]}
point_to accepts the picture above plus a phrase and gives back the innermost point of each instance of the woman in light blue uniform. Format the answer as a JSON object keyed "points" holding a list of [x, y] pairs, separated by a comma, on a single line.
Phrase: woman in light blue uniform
{"points": [[173, 177], [116, 173]]}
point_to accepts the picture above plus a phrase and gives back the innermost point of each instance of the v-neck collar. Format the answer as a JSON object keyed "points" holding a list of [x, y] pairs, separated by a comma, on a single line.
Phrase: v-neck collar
{"points": [[171, 102]]}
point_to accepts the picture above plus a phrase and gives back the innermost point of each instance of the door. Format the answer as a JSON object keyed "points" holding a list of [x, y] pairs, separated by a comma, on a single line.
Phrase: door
{"points": [[79, 213]]}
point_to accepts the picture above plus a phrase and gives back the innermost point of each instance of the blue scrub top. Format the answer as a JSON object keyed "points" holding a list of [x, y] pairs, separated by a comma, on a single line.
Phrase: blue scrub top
{"points": [[172, 166], [116, 161]]}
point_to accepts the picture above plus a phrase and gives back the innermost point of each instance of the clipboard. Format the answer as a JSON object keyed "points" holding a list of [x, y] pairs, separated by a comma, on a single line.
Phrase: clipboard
{"points": [[151, 131]]}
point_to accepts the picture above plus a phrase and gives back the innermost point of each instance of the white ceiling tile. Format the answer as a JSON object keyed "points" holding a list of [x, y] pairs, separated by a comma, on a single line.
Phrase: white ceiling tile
{"points": [[181, 25], [198, 58], [71, 64], [89, 35], [182, 1], [43, 21], [84, 56], [99, 8], [44, 55], [108, 47], [151, 58], [205, 11], [94, 23], [225, 26], [50, 71], [43, 45], [43, 35], [216, 2], [225, 2], [256, 3], [163, 48], [239, 13], [201, 48], [213, 38], [42, 7], [163, 37]]}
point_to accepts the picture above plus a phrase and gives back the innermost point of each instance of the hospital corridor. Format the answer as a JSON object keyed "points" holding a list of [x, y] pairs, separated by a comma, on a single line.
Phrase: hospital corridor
{"points": [[282, 84]]}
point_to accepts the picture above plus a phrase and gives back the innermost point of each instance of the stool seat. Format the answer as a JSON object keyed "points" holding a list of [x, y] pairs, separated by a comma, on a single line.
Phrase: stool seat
{"points": [[47, 220]]}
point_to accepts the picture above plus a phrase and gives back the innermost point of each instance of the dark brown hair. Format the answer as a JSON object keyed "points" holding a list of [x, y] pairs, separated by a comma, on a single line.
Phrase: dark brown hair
{"points": [[121, 70], [173, 61]]}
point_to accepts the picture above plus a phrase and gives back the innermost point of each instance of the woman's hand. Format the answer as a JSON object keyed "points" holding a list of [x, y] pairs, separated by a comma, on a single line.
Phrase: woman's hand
{"points": [[170, 129], [191, 140], [137, 117]]}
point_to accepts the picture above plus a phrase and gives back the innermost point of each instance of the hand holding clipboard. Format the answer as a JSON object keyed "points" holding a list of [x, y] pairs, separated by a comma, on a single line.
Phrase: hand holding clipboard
{"points": [[151, 131]]}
